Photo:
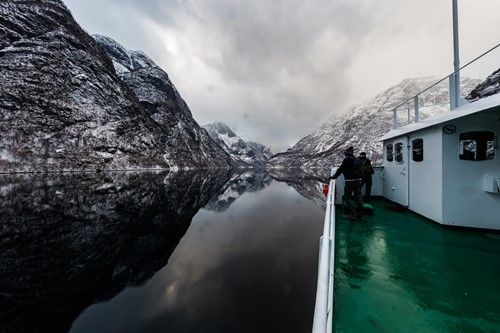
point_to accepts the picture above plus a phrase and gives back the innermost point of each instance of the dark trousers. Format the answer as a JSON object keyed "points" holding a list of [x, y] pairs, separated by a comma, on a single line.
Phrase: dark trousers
{"points": [[367, 182], [353, 187]]}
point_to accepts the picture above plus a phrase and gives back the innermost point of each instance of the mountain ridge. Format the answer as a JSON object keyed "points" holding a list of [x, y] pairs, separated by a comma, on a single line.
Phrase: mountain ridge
{"points": [[363, 124], [188, 144], [64, 107]]}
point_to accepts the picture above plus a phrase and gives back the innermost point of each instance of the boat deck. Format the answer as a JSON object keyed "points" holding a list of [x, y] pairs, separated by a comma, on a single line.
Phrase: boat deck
{"points": [[396, 271]]}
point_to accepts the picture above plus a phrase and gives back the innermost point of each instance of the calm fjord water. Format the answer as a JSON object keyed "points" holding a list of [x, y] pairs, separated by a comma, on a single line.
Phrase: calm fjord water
{"points": [[157, 252]]}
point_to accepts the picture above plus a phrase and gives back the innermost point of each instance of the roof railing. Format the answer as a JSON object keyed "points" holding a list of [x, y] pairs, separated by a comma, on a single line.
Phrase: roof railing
{"points": [[453, 101]]}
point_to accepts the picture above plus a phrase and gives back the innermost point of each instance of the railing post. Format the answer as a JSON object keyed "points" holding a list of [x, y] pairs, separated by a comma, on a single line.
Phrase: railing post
{"points": [[452, 92], [417, 116]]}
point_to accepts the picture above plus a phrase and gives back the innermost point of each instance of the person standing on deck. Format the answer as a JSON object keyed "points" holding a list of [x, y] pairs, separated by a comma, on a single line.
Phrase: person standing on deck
{"points": [[366, 179], [352, 184]]}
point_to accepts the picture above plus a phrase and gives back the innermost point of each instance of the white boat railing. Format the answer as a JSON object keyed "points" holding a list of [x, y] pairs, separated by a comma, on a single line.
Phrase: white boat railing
{"points": [[454, 90], [323, 310]]}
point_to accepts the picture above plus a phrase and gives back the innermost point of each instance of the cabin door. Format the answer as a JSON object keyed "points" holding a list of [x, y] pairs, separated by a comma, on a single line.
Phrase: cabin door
{"points": [[396, 171]]}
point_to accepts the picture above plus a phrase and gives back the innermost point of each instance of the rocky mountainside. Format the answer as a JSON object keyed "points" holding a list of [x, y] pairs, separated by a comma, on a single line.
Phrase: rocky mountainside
{"points": [[362, 125], [488, 87], [63, 107], [251, 153], [187, 144]]}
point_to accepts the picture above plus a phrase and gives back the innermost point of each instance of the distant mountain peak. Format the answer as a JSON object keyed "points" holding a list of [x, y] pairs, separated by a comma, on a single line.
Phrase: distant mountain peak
{"points": [[124, 60], [251, 153]]}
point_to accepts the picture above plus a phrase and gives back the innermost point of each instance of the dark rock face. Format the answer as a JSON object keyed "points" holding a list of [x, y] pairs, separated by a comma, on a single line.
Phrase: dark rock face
{"points": [[63, 107], [70, 240], [488, 87], [188, 144]]}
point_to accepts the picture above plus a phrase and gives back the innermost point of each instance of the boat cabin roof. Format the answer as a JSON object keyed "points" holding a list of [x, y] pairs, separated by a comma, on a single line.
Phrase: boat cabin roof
{"points": [[483, 105]]}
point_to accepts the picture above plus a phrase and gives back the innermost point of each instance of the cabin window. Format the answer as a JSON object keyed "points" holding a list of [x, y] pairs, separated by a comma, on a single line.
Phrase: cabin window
{"points": [[399, 152], [389, 152], [477, 146], [418, 150]]}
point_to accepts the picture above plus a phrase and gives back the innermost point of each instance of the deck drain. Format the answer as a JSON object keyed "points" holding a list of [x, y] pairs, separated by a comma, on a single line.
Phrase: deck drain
{"points": [[395, 209], [493, 236]]}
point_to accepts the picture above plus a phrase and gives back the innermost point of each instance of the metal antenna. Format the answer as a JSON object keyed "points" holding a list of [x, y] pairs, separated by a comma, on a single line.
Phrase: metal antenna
{"points": [[456, 62]]}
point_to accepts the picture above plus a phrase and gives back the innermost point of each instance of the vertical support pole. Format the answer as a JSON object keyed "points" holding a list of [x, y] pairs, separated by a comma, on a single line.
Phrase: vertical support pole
{"points": [[456, 61], [417, 116], [395, 118], [409, 117], [452, 91]]}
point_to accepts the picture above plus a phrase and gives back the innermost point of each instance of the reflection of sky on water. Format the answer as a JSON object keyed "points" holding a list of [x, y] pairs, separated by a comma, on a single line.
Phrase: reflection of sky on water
{"points": [[251, 268]]}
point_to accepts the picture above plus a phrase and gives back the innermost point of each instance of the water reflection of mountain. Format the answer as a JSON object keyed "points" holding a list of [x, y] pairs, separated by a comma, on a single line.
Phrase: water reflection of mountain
{"points": [[309, 185], [70, 240], [252, 180]]}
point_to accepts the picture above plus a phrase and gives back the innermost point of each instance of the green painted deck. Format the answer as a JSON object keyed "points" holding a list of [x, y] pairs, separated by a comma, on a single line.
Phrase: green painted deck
{"points": [[396, 271]]}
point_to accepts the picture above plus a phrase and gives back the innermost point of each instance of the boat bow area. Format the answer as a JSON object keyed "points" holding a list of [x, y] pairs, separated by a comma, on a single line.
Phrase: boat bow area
{"points": [[397, 271]]}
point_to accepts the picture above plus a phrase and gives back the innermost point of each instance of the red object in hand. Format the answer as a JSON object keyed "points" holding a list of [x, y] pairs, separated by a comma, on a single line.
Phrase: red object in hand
{"points": [[325, 189]]}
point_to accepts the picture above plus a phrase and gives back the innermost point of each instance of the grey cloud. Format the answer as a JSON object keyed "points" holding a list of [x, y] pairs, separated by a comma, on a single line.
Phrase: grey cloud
{"points": [[278, 69]]}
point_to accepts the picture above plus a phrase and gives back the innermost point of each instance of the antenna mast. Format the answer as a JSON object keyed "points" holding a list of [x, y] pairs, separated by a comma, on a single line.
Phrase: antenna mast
{"points": [[456, 62]]}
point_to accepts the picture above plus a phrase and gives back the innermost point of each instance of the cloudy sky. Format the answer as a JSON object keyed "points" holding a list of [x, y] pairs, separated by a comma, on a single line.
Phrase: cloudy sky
{"points": [[275, 70]]}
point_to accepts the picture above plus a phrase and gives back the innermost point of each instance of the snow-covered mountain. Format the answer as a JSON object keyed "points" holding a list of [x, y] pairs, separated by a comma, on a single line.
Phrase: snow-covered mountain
{"points": [[362, 125], [251, 153], [187, 144], [64, 107]]}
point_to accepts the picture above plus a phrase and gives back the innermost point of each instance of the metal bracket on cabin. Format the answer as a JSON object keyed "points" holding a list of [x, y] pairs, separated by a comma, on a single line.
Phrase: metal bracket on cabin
{"points": [[491, 184]]}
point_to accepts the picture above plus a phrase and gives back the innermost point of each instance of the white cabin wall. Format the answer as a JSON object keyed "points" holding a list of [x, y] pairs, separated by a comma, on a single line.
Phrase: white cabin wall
{"points": [[465, 202], [426, 183], [376, 181]]}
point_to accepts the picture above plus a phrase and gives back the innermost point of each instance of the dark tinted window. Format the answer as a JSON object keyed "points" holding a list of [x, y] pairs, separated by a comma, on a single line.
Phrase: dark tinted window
{"points": [[477, 146], [389, 152], [399, 152], [418, 150]]}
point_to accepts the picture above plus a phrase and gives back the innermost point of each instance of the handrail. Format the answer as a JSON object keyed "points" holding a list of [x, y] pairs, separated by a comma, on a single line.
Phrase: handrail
{"points": [[446, 77], [450, 76], [323, 310]]}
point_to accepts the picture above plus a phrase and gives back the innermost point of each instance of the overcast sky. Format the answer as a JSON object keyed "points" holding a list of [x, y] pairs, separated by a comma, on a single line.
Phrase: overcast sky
{"points": [[275, 70]]}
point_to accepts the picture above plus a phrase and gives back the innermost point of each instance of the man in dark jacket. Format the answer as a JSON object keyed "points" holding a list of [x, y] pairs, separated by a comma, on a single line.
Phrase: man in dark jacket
{"points": [[352, 184], [366, 180]]}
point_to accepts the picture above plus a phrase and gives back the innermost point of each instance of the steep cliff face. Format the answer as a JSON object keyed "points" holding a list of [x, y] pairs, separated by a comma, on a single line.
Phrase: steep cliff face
{"points": [[188, 144], [362, 125], [63, 107], [488, 87], [250, 153]]}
